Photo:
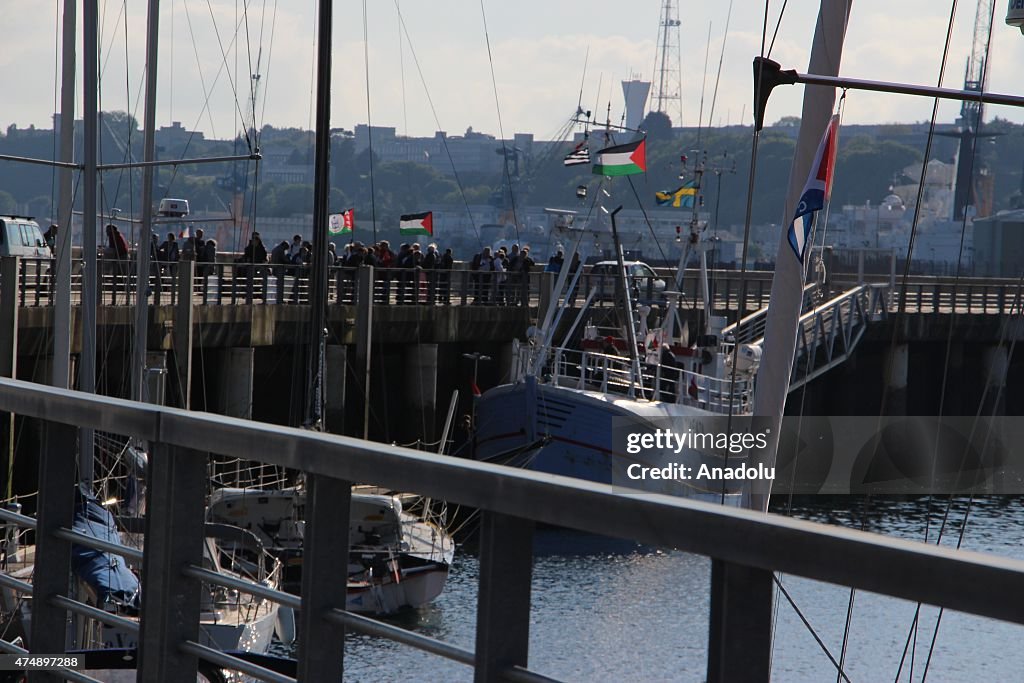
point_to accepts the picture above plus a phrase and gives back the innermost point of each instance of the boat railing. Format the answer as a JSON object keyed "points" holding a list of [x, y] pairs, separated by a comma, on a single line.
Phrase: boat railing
{"points": [[614, 374]]}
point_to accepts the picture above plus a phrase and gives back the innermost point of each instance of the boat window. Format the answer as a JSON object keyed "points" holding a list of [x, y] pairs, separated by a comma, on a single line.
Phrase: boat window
{"points": [[3, 231], [26, 235]]}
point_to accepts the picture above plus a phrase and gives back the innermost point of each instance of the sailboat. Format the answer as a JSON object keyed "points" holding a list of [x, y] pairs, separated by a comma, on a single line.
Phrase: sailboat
{"points": [[398, 559], [229, 620]]}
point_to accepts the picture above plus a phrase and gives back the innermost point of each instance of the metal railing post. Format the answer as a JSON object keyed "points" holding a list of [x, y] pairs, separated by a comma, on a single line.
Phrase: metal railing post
{"points": [[325, 551], [175, 504], [503, 610], [740, 629], [52, 574]]}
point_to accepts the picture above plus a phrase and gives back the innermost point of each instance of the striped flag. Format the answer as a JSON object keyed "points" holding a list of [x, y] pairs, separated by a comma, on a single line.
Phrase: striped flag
{"points": [[579, 155], [417, 223], [816, 190], [628, 159], [341, 223]]}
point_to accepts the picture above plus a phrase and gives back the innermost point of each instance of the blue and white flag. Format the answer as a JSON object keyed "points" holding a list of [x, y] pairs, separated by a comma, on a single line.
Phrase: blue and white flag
{"points": [[816, 190]]}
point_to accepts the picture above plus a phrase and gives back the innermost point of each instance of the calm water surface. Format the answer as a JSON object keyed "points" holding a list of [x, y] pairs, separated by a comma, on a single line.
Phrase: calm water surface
{"points": [[611, 611]]}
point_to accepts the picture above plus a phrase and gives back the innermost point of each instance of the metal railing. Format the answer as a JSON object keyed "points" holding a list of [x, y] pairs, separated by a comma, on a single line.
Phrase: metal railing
{"points": [[745, 547], [615, 374]]}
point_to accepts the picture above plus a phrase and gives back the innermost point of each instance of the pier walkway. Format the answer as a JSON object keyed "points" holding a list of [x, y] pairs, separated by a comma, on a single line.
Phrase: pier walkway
{"points": [[745, 548]]}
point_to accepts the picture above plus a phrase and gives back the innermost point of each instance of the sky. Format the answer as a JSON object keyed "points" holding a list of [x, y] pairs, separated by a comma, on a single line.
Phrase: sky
{"points": [[430, 70]]}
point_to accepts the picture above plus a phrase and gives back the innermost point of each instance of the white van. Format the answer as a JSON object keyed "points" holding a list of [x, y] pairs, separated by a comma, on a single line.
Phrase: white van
{"points": [[20, 236]]}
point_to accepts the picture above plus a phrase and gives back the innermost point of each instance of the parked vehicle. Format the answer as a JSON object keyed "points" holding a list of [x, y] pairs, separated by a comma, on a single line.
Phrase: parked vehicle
{"points": [[20, 236]]}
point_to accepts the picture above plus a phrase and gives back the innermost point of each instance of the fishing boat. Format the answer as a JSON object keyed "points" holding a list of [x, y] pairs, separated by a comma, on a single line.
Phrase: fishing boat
{"points": [[574, 398]]}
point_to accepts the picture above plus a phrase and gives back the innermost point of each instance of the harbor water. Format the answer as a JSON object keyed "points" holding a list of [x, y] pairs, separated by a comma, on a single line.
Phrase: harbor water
{"points": [[610, 611]]}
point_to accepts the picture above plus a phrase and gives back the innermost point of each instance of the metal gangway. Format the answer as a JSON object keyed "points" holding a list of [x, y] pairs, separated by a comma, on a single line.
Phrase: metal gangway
{"points": [[827, 333]]}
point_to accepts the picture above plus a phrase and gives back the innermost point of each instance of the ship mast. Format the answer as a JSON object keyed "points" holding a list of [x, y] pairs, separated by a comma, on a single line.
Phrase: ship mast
{"points": [[784, 306]]}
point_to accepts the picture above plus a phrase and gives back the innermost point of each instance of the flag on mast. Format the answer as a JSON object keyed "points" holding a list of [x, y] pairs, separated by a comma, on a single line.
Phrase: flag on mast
{"points": [[341, 223], [417, 223], [816, 190], [683, 197], [628, 159], [579, 155]]}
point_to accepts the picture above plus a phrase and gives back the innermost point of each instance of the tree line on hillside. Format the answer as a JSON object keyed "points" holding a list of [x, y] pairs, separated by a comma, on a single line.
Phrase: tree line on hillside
{"points": [[866, 168]]}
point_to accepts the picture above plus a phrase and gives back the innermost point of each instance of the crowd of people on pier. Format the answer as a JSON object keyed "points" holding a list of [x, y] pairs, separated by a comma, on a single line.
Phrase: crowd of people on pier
{"points": [[412, 273]]}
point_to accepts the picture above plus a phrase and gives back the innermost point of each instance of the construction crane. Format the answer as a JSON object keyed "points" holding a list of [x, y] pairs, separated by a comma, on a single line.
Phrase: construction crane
{"points": [[971, 112]]}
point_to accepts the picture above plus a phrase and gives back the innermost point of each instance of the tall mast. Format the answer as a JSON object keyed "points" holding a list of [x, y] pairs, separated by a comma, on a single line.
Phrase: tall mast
{"points": [[784, 306], [62, 243], [142, 256], [321, 193], [90, 120]]}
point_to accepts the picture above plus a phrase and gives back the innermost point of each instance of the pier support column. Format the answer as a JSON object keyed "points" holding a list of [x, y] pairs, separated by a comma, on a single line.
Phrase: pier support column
{"points": [[421, 369], [334, 411], [234, 384], [183, 319], [895, 367], [9, 267], [996, 364]]}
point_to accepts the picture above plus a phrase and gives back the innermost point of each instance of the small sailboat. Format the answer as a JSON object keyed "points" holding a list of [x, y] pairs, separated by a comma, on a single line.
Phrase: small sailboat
{"points": [[398, 559]]}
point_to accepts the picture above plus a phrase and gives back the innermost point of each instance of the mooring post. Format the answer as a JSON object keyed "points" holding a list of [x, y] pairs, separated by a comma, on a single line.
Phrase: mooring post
{"points": [[52, 574], [175, 532], [503, 610], [739, 642], [324, 551]]}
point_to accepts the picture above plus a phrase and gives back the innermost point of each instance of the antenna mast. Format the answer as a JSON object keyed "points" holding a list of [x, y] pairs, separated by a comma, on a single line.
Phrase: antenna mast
{"points": [[668, 97]]}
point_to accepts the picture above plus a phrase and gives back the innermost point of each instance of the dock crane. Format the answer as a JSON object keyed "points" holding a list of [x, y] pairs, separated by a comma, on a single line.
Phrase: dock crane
{"points": [[971, 112]]}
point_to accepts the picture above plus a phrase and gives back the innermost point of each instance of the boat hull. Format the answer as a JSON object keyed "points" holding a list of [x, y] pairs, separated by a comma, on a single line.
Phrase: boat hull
{"points": [[569, 431]]}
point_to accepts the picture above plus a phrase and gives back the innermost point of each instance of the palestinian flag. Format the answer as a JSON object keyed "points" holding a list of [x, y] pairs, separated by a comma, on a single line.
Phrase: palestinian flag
{"points": [[342, 223], [628, 159], [417, 224]]}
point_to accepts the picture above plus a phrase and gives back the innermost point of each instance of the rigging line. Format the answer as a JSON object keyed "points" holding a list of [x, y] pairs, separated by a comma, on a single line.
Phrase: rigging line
{"points": [[721, 58], [401, 73], [501, 128], [58, 73], [224, 57], [444, 139], [903, 296], [647, 219], [270, 61], [369, 122], [970, 501], [742, 302], [824, 648], [583, 80], [703, 86], [778, 25]]}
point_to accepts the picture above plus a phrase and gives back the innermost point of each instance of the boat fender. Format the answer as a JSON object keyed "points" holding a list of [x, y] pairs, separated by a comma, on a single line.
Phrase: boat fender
{"points": [[284, 627]]}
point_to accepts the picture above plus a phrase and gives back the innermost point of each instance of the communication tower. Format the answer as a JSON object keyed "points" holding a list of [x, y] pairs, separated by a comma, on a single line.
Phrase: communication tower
{"points": [[668, 98]]}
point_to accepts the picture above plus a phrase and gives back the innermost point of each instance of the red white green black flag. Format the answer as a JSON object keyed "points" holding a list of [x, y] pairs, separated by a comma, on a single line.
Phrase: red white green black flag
{"points": [[627, 159], [417, 223]]}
